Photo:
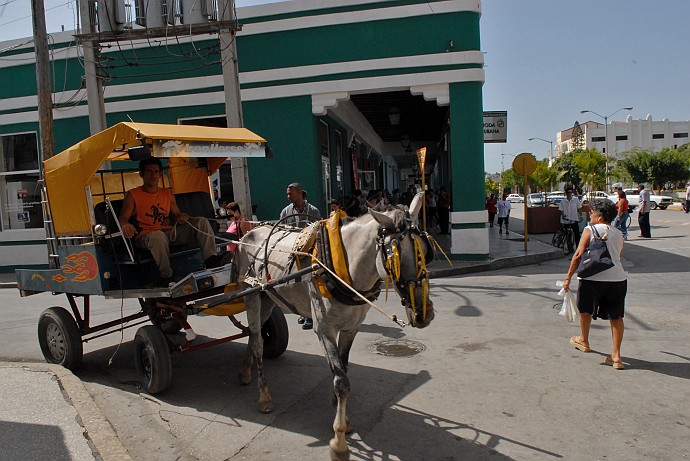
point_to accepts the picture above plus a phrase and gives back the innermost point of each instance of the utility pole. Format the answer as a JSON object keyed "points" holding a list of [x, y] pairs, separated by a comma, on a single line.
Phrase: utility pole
{"points": [[233, 102], [94, 87], [43, 88]]}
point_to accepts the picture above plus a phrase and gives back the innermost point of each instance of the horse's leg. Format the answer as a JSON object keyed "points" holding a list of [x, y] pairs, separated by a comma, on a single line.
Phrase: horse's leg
{"points": [[341, 385], [252, 303], [345, 340], [257, 309]]}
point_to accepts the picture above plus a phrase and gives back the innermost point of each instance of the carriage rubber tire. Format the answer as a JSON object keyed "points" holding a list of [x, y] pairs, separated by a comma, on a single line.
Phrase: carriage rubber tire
{"points": [[152, 359], [275, 334], [60, 338]]}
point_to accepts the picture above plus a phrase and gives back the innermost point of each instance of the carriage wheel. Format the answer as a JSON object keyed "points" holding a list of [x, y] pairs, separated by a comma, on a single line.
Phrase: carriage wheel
{"points": [[60, 338], [152, 359], [275, 334]]}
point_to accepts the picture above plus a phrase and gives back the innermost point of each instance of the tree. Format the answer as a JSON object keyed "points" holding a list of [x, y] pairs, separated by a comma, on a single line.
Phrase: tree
{"points": [[511, 180], [578, 142], [491, 187], [668, 165], [591, 167], [543, 177], [565, 165]]}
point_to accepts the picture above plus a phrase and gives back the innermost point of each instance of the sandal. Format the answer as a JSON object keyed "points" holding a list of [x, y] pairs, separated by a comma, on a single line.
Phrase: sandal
{"points": [[577, 342], [608, 360]]}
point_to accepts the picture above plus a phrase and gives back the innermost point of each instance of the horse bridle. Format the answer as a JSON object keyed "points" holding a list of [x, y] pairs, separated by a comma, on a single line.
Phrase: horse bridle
{"points": [[389, 244]]}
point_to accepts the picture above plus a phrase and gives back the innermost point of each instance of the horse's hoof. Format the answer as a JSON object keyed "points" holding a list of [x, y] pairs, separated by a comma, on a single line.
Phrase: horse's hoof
{"points": [[266, 407], [245, 378], [339, 455]]}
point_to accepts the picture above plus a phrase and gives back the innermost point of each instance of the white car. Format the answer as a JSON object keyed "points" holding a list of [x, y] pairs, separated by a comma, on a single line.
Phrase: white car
{"points": [[516, 198], [633, 195], [595, 194]]}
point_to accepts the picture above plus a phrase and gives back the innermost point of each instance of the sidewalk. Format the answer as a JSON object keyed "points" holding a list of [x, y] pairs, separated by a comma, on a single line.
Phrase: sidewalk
{"points": [[46, 413]]}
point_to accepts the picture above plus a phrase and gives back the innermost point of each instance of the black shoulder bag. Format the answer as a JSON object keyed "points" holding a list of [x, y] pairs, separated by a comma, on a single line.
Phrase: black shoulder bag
{"points": [[597, 257]]}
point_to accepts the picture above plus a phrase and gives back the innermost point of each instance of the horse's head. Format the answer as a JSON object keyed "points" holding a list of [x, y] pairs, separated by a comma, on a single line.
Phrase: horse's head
{"points": [[404, 250]]}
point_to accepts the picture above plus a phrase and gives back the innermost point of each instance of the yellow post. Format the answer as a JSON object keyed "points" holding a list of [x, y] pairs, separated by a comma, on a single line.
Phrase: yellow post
{"points": [[421, 157], [524, 220]]}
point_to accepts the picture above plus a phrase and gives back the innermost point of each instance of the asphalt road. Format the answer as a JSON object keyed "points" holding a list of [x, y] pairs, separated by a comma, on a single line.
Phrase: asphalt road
{"points": [[494, 378]]}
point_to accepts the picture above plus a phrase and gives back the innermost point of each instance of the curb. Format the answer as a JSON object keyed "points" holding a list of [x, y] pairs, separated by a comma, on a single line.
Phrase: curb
{"points": [[97, 427], [497, 264]]}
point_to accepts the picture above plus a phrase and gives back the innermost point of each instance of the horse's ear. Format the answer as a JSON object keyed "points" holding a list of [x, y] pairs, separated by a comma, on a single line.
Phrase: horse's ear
{"points": [[383, 220], [416, 206]]}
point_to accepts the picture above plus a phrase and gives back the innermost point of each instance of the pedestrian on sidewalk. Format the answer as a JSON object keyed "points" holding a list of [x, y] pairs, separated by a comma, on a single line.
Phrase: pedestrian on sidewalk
{"points": [[621, 221], [503, 207], [491, 208], [687, 198], [643, 213], [601, 295]]}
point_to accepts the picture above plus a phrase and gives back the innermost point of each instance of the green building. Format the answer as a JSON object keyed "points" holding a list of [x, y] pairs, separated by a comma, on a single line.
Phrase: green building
{"points": [[345, 92]]}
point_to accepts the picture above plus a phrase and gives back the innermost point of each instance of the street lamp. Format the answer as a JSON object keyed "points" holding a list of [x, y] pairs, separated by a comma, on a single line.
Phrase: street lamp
{"points": [[606, 136], [550, 150]]}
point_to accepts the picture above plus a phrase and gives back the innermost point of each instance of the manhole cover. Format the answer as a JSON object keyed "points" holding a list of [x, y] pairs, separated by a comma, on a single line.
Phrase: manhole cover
{"points": [[397, 348]]}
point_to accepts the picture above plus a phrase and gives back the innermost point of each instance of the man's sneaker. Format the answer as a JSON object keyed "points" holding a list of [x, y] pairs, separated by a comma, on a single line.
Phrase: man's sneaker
{"points": [[308, 324], [500, 231], [301, 319]]}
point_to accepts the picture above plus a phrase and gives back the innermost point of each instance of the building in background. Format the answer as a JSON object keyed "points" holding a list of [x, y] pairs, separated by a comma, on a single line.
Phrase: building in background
{"points": [[624, 136], [344, 92]]}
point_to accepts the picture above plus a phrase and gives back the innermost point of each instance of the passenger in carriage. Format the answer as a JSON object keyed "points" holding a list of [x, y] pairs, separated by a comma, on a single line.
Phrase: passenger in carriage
{"points": [[160, 223]]}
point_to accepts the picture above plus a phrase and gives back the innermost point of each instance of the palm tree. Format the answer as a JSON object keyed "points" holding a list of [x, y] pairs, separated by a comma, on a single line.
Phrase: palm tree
{"points": [[591, 165]]}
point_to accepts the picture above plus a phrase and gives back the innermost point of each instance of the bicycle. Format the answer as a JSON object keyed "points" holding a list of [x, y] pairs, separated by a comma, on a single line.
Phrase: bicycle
{"points": [[564, 239]]}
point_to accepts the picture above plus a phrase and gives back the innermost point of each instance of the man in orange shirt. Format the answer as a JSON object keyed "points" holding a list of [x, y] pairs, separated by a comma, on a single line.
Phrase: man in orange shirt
{"points": [[160, 223]]}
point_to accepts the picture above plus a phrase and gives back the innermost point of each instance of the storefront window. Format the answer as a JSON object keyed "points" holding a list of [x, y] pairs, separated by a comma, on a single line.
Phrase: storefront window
{"points": [[20, 196]]}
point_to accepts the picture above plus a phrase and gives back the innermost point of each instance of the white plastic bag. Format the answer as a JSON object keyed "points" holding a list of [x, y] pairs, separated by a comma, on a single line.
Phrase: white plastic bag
{"points": [[569, 308]]}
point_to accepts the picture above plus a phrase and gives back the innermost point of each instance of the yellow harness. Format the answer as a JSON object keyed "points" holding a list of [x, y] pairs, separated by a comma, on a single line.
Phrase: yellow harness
{"points": [[338, 259]]}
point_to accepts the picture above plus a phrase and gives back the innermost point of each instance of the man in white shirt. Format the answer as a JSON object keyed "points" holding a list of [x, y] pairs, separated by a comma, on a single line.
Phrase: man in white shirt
{"points": [[503, 208], [570, 209], [643, 215]]}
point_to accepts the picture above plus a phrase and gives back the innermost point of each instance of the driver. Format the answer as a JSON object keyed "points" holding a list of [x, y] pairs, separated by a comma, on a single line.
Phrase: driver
{"points": [[159, 223]]}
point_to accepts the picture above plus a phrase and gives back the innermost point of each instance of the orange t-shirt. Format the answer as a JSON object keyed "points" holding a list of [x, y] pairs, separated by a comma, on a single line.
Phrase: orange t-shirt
{"points": [[151, 210], [622, 205]]}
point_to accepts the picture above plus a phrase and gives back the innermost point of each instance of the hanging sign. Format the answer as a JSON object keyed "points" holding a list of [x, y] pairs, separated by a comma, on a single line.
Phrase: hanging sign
{"points": [[421, 157]]}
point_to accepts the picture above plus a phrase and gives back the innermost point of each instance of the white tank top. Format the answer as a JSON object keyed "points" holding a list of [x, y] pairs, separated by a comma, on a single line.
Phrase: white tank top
{"points": [[614, 243]]}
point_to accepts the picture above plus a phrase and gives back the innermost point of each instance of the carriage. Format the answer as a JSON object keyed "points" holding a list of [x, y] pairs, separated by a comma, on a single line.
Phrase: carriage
{"points": [[331, 271], [82, 191]]}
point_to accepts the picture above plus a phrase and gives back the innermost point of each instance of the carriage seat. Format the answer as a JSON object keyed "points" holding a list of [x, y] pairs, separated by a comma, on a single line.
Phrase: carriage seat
{"points": [[192, 203]]}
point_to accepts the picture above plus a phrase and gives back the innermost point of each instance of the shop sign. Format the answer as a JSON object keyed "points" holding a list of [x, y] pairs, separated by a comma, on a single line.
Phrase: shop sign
{"points": [[495, 127]]}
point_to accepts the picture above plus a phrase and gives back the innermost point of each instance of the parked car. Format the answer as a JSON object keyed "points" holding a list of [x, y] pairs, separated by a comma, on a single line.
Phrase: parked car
{"points": [[516, 198], [537, 199], [596, 194], [633, 195], [554, 198]]}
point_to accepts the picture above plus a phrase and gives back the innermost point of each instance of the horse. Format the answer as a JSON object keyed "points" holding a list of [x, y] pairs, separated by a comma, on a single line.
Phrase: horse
{"points": [[385, 243]]}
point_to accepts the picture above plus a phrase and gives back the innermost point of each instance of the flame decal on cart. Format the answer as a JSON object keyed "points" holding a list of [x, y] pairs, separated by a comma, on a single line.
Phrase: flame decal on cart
{"points": [[83, 264]]}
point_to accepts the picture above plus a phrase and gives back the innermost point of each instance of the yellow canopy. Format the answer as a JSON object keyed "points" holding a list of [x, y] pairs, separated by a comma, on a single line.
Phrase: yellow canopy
{"points": [[67, 173]]}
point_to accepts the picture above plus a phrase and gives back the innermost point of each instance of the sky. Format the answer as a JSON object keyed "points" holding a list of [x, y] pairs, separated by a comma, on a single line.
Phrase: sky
{"points": [[545, 61]]}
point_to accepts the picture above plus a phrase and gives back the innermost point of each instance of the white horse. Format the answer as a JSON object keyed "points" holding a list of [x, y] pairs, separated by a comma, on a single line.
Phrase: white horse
{"points": [[380, 244]]}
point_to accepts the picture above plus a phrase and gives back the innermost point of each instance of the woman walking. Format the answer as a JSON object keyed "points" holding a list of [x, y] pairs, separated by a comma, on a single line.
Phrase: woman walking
{"points": [[601, 295], [621, 221]]}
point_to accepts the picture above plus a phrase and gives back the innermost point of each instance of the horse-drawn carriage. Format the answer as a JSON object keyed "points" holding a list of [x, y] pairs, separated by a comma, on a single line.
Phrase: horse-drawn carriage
{"points": [[82, 192], [331, 271]]}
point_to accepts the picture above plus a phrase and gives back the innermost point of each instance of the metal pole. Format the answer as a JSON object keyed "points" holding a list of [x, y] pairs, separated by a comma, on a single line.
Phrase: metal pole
{"points": [[43, 88], [94, 87], [233, 103], [606, 139], [524, 207]]}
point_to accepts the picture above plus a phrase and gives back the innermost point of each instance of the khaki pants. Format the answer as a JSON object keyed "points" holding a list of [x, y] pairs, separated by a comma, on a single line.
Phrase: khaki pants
{"points": [[159, 242]]}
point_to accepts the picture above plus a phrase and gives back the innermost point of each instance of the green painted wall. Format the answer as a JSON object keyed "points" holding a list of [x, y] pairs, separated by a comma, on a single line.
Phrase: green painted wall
{"points": [[467, 146], [291, 130], [367, 40]]}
